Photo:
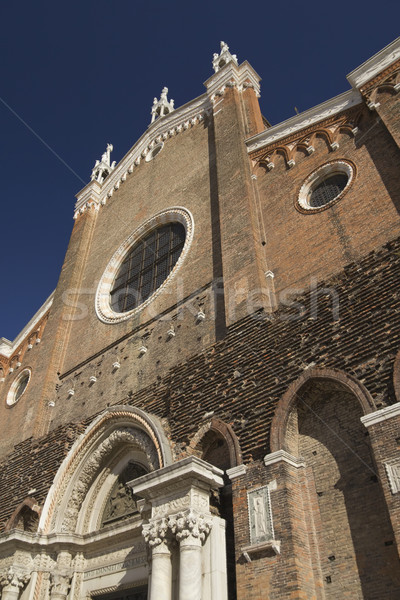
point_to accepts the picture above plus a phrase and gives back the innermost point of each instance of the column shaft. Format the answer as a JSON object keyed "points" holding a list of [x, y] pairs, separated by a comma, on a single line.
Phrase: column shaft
{"points": [[190, 569], [161, 573]]}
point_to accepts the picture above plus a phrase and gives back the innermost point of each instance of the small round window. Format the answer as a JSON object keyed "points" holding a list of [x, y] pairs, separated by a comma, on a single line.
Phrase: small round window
{"points": [[153, 153], [325, 186], [144, 264], [18, 387]]}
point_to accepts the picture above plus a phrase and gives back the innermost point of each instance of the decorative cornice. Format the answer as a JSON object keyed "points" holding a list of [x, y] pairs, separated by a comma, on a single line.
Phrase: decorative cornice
{"points": [[176, 475], [236, 472], [7, 348], [163, 128], [381, 415], [375, 64], [298, 122], [282, 456]]}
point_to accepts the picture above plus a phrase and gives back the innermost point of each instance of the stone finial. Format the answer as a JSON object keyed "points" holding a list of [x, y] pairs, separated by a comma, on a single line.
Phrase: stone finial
{"points": [[223, 58], [103, 167], [162, 106]]}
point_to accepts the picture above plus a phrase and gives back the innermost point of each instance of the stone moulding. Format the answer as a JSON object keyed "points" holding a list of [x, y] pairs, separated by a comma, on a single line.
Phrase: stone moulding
{"points": [[282, 456], [332, 167], [309, 117], [103, 308], [381, 415], [375, 64], [130, 425]]}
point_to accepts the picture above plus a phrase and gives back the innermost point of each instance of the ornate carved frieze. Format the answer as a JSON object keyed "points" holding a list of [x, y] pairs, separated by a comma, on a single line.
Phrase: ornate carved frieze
{"points": [[134, 437], [304, 140], [389, 80]]}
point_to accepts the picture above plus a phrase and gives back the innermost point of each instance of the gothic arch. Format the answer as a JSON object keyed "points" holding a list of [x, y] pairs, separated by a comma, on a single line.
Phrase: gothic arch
{"points": [[318, 420], [116, 436], [286, 403], [25, 516], [224, 431]]}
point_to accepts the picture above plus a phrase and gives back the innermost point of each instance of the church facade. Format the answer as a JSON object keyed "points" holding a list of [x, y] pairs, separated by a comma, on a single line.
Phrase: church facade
{"points": [[208, 405]]}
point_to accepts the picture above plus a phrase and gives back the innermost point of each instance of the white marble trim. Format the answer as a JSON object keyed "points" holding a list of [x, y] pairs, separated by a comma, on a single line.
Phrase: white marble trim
{"points": [[381, 415], [374, 65], [282, 456], [305, 119]]}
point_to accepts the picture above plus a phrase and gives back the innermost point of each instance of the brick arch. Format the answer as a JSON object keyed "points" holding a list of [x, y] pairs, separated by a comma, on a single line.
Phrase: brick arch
{"points": [[27, 512], [288, 400], [226, 432]]}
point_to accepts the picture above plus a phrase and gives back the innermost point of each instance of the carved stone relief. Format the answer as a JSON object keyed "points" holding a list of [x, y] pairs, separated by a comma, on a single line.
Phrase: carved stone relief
{"points": [[121, 502], [393, 473], [260, 518], [134, 437]]}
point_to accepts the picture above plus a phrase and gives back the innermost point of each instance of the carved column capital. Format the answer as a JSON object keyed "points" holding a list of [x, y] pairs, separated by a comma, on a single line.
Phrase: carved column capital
{"points": [[190, 526], [155, 532], [13, 578], [59, 585]]}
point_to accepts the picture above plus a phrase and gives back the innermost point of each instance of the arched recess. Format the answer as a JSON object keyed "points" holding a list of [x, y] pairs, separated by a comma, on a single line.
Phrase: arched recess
{"points": [[342, 505], [119, 437], [217, 444], [290, 398], [25, 517]]}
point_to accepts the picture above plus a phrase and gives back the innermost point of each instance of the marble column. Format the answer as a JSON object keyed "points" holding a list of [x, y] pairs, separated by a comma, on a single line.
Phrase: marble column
{"points": [[155, 534], [190, 529], [12, 583]]}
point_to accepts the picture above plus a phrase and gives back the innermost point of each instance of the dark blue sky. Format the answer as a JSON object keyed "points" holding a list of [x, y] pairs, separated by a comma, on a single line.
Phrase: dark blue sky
{"points": [[81, 74]]}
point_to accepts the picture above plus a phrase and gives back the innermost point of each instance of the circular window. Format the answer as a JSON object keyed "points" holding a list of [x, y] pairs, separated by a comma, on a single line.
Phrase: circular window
{"points": [[325, 186], [153, 153], [18, 387], [144, 264]]}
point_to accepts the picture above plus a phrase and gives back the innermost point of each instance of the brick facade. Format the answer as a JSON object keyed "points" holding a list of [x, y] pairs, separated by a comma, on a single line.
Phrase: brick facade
{"points": [[300, 341]]}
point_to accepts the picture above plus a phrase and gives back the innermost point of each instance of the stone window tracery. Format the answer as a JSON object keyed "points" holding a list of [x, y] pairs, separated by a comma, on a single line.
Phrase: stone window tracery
{"points": [[146, 266], [18, 387], [325, 186]]}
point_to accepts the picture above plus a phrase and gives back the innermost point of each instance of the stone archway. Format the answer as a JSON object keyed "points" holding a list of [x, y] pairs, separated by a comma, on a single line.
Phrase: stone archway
{"points": [[318, 421]]}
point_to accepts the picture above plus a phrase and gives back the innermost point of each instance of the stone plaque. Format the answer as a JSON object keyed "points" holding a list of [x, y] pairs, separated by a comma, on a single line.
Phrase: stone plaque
{"points": [[393, 472], [260, 517]]}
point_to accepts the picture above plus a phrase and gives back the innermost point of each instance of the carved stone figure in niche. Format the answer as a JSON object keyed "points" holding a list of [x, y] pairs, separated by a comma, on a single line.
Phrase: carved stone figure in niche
{"points": [[121, 503], [259, 514]]}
